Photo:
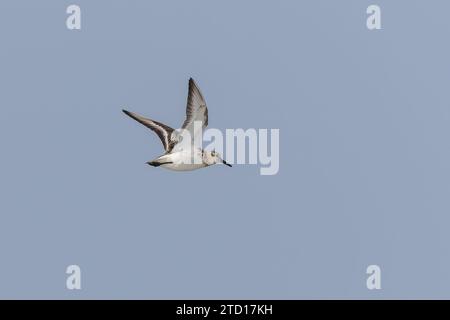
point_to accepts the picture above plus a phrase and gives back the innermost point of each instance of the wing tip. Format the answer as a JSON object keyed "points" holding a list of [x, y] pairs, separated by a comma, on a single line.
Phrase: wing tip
{"points": [[132, 115], [128, 113]]}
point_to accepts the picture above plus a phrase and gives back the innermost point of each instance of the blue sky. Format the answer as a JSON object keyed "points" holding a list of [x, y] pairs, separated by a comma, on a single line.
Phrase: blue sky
{"points": [[364, 175]]}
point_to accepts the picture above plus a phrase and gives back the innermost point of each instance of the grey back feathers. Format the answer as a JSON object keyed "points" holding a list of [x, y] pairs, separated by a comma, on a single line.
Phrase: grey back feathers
{"points": [[196, 109]]}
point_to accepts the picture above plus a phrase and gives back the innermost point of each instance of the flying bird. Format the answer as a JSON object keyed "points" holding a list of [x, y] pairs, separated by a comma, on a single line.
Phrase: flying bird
{"points": [[183, 154]]}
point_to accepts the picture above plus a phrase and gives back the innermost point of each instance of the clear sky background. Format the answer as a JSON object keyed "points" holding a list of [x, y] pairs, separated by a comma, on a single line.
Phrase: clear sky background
{"points": [[364, 150]]}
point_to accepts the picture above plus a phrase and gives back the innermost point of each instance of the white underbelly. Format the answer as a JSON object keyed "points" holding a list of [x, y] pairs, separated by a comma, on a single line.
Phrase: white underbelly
{"points": [[182, 166], [182, 161]]}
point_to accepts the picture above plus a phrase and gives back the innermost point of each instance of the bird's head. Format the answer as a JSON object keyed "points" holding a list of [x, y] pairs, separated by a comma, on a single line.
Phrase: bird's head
{"points": [[213, 157]]}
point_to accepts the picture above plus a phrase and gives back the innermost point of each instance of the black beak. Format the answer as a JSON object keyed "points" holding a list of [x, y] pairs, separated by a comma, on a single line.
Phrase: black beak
{"points": [[227, 164]]}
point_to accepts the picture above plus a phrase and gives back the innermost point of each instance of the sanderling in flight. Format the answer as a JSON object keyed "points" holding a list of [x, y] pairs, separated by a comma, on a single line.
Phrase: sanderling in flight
{"points": [[178, 155]]}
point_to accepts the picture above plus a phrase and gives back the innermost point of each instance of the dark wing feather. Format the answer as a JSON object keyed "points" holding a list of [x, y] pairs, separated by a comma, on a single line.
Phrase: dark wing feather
{"points": [[164, 132]]}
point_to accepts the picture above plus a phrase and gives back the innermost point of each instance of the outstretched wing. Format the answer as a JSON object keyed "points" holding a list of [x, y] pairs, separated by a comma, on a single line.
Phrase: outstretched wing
{"points": [[196, 110], [167, 135]]}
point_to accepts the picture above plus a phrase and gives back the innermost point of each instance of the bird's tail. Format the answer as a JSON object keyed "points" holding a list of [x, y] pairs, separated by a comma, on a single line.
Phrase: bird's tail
{"points": [[159, 161]]}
